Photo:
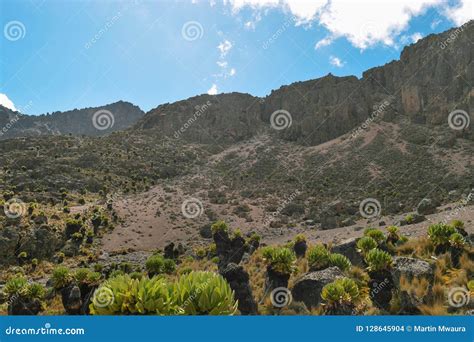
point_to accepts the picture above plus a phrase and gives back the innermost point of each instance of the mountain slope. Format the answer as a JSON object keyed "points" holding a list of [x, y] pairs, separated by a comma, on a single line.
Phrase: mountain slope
{"points": [[109, 118]]}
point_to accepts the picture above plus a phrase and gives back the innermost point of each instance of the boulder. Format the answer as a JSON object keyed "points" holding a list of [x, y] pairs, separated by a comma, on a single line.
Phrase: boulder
{"points": [[411, 268], [426, 207], [238, 280], [205, 231], [307, 289], [348, 248]]}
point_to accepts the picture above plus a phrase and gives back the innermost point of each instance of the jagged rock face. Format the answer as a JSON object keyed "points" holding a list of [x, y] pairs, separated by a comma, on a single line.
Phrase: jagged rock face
{"points": [[76, 122], [411, 268], [207, 119], [430, 80]]}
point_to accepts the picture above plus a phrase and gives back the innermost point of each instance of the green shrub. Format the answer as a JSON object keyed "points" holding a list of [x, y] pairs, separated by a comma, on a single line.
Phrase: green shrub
{"points": [[457, 224], [470, 285], [86, 276], [393, 233], [365, 244], [318, 257], [378, 260], [340, 261], [343, 291], [281, 259], [457, 240], [196, 293], [409, 218], [440, 233], [61, 277], [219, 226], [204, 293], [127, 296], [375, 234], [20, 287], [157, 264]]}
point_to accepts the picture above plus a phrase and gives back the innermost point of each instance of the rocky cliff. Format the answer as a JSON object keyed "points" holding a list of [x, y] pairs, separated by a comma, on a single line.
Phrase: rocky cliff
{"points": [[432, 78]]}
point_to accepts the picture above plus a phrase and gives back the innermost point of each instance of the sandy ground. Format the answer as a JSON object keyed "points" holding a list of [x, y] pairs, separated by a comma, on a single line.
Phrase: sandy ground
{"points": [[155, 218]]}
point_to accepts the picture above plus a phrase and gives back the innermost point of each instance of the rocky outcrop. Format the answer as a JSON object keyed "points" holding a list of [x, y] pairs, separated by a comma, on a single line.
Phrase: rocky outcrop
{"points": [[307, 289], [120, 115]]}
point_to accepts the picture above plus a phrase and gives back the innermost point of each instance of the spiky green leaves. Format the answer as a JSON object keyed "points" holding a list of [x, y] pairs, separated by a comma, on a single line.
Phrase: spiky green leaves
{"points": [[281, 259], [340, 292], [196, 293], [440, 233], [378, 260]]}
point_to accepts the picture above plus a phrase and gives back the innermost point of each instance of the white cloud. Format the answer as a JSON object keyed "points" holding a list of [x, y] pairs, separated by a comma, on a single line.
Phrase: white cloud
{"points": [[222, 64], [323, 42], [232, 72], [6, 102], [462, 13], [212, 90], [363, 24], [336, 61], [224, 48], [416, 37]]}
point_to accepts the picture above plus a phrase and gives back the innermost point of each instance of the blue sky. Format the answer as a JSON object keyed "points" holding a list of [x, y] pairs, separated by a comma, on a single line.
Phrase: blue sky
{"points": [[61, 55]]}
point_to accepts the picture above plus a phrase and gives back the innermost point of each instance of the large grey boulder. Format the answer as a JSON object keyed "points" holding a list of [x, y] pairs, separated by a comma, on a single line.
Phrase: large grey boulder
{"points": [[307, 289], [411, 268]]}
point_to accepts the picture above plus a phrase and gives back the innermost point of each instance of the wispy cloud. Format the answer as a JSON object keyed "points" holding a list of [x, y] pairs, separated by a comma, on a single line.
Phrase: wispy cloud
{"points": [[363, 28], [336, 61]]}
